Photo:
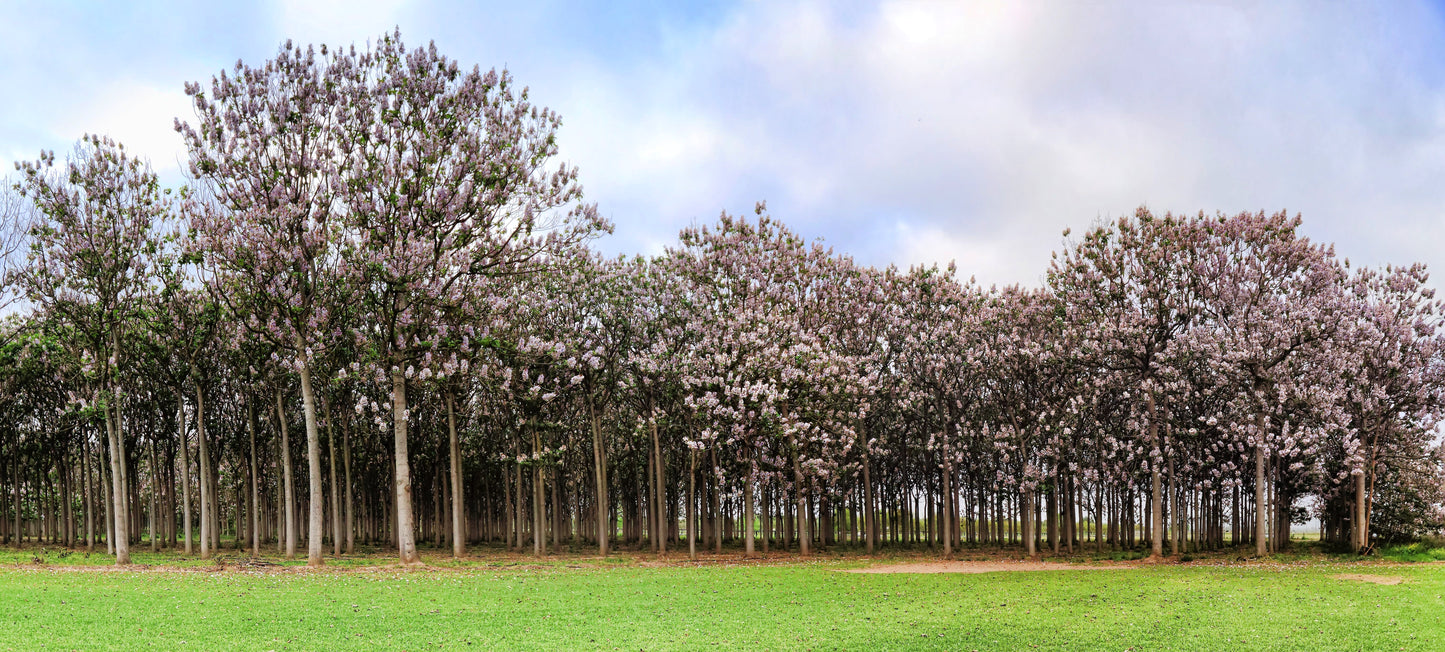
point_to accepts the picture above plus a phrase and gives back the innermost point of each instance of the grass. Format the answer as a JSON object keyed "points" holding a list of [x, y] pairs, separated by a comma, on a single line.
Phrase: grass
{"points": [[501, 601], [1424, 551]]}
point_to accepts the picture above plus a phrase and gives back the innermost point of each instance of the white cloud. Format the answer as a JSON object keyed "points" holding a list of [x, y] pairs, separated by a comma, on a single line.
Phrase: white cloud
{"points": [[985, 129], [905, 132], [137, 114]]}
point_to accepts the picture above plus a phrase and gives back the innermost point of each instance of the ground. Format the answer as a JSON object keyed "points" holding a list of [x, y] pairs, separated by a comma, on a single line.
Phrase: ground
{"points": [[65, 600]]}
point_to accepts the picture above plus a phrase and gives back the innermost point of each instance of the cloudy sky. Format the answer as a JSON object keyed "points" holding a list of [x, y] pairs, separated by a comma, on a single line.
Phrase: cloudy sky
{"points": [[900, 132]]}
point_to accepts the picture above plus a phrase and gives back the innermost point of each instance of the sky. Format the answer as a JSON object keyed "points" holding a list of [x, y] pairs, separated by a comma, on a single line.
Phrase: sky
{"points": [[897, 132]]}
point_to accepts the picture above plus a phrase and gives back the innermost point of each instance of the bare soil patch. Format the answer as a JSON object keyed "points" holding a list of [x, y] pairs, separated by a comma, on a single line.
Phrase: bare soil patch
{"points": [[1387, 580], [985, 567]]}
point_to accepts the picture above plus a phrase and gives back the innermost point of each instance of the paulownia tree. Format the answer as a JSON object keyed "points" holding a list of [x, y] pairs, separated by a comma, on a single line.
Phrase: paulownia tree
{"points": [[90, 264], [266, 147], [1275, 296], [1129, 293], [447, 178]]}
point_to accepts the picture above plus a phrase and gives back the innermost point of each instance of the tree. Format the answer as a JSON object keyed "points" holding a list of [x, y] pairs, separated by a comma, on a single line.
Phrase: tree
{"points": [[1129, 294], [1274, 296], [449, 181], [1392, 381], [90, 265], [267, 147]]}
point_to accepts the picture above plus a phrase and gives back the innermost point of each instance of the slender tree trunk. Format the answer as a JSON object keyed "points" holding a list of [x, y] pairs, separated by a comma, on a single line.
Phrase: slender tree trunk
{"points": [[748, 511], [335, 488], [717, 518], [1360, 531], [185, 473], [155, 484], [1370, 494], [1053, 513], [255, 478], [800, 493], [1026, 522], [205, 470], [517, 497], [1156, 513], [946, 525], [508, 513], [346, 462], [459, 541], [659, 492], [538, 508], [1261, 520], [213, 477], [108, 488], [315, 527], [120, 515], [15, 496], [599, 461], [557, 509], [870, 525], [89, 492], [289, 490], [1173, 513], [280, 475], [692, 504], [405, 526]]}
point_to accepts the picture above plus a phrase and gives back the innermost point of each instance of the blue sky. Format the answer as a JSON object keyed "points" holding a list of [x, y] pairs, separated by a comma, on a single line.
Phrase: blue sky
{"points": [[907, 132]]}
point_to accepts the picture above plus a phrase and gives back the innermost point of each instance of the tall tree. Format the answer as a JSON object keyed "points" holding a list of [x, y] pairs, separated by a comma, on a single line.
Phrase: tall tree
{"points": [[90, 264], [1275, 296], [449, 180], [267, 147], [1129, 293]]}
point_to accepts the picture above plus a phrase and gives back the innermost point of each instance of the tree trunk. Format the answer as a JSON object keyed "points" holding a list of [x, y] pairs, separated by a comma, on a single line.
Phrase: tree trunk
{"points": [[1053, 513], [946, 525], [1156, 511], [800, 493], [599, 471], [204, 470], [255, 478], [120, 515], [155, 485], [315, 527], [89, 491], [516, 538], [748, 513], [557, 509], [346, 462], [459, 541], [289, 490], [692, 504], [870, 534], [717, 519], [110, 511], [185, 474], [405, 526], [1173, 513], [1026, 522], [335, 488], [538, 509], [1261, 511], [658, 500], [1360, 531]]}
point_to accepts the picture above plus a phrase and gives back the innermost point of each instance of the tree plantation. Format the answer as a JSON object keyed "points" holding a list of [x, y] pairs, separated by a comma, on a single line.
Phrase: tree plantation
{"points": [[373, 315]]}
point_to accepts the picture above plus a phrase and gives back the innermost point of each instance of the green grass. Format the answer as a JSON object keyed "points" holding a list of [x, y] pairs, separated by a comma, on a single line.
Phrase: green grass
{"points": [[576, 603], [1416, 552]]}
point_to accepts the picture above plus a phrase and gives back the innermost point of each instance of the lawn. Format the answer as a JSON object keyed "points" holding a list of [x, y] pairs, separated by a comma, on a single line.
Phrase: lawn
{"points": [[632, 603]]}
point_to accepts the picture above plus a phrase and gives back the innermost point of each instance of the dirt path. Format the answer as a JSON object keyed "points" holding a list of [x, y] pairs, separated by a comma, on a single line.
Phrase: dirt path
{"points": [[1387, 580], [984, 567]]}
